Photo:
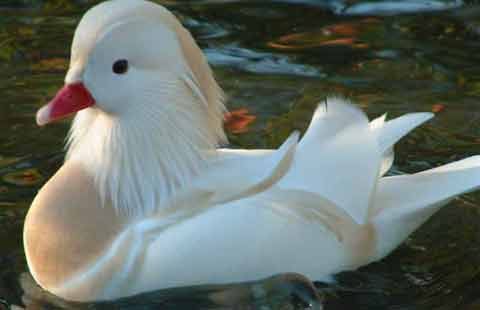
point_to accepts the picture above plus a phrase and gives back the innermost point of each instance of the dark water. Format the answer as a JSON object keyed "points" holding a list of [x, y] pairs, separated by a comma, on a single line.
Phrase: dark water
{"points": [[277, 59]]}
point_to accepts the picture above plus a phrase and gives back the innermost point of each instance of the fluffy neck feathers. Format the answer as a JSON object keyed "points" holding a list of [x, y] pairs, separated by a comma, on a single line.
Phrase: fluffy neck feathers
{"points": [[140, 161]]}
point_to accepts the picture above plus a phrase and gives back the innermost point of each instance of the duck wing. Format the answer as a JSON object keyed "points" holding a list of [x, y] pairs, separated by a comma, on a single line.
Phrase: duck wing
{"points": [[337, 158], [234, 177]]}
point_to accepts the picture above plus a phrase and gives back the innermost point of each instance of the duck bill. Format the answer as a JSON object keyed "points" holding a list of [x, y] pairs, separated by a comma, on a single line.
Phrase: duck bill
{"points": [[70, 99]]}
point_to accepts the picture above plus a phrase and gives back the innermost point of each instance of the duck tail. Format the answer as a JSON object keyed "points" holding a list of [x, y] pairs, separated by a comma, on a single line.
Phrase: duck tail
{"points": [[405, 202]]}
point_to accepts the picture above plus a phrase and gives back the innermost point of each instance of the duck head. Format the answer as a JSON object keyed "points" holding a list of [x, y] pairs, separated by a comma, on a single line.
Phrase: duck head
{"points": [[127, 53], [148, 108]]}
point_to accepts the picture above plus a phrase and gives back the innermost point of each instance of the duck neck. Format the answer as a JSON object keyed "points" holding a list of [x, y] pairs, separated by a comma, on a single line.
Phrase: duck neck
{"points": [[138, 166]]}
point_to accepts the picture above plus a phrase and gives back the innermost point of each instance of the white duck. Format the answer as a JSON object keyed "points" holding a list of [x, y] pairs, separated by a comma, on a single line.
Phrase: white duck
{"points": [[146, 201]]}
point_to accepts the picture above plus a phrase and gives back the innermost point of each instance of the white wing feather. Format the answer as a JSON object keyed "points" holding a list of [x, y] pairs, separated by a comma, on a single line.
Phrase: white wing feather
{"points": [[338, 152], [403, 203], [235, 177], [388, 133]]}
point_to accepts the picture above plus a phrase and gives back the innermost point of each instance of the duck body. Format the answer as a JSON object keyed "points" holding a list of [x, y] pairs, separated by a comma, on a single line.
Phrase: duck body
{"points": [[199, 241], [143, 203]]}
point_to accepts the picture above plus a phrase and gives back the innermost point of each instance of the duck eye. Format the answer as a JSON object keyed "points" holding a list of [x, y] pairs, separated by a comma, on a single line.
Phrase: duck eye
{"points": [[120, 66]]}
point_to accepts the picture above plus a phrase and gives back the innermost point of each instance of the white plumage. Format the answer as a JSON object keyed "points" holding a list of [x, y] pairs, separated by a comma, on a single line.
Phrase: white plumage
{"points": [[146, 200]]}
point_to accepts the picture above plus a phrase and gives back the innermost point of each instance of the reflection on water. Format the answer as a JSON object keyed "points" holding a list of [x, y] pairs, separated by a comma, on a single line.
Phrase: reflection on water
{"points": [[257, 62], [275, 60], [288, 291]]}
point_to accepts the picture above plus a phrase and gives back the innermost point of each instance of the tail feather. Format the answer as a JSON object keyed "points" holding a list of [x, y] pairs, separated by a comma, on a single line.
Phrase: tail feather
{"points": [[403, 203]]}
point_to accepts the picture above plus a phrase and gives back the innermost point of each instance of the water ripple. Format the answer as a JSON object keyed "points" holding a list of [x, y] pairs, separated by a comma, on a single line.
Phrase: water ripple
{"points": [[258, 62]]}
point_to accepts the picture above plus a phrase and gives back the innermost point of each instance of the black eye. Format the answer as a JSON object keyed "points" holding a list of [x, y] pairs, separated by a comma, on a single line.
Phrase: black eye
{"points": [[120, 66]]}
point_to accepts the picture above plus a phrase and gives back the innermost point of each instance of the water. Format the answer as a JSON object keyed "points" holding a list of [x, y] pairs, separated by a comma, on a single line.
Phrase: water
{"points": [[276, 60]]}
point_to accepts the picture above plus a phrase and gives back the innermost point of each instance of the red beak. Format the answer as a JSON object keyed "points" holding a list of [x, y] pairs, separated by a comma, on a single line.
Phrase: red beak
{"points": [[70, 99]]}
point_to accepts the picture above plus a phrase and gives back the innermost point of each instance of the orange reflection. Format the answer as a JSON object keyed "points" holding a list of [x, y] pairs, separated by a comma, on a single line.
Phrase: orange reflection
{"points": [[348, 34], [237, 121]]}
